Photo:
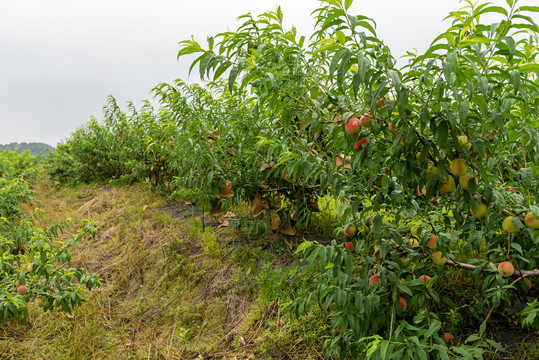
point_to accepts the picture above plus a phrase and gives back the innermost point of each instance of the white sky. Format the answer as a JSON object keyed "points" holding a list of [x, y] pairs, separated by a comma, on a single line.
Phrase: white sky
{"points": [[60, 59]]}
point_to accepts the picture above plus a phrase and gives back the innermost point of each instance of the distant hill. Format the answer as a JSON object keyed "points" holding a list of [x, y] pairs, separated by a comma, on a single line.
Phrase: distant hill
{"points": [[36, 149]]}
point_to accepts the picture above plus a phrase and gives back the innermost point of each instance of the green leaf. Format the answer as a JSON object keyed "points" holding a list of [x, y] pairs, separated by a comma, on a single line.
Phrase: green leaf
{"points": [[396, 80], [335, 61], [232, 77], [347, 4], [356, 81], [465, 353], [340, 37], [496, 345], [204, 64], [511, 46], [433, 329], [464, 108], [529, 8], [442, 133], [497, 118], [472, 338], [492, 9], [515, 80], [405, 289], [377, 225], [527, 177], [343, 67], [529, 68], [221, 69]]}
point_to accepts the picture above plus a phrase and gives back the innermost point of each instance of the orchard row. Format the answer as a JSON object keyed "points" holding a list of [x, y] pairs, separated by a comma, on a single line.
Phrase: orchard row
{"points": [[444, 147], [33, 263]]}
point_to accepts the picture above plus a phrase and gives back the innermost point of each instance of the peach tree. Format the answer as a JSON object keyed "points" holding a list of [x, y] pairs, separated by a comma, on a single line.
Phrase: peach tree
{"points": [[433, 163], [34, 263]]}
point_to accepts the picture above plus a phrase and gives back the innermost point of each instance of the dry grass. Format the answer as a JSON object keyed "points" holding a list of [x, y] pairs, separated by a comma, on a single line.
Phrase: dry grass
{"points": [[167, 293]]}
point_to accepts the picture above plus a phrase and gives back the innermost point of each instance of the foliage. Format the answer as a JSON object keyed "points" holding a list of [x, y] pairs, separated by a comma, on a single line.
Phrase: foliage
{"points": [[33, 262], [15, 165], [270, 128]]}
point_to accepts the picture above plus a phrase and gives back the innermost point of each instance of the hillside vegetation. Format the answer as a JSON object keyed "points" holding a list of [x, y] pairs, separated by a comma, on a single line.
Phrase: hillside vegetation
{"points": [[36, 149]]}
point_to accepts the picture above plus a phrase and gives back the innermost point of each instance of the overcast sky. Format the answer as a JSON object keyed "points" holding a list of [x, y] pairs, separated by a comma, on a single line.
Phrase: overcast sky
{"points": [[60, 59]]}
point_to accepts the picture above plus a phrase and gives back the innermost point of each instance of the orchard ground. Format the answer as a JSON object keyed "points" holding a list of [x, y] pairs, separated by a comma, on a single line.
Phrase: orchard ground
{"points": [[175, 291]]}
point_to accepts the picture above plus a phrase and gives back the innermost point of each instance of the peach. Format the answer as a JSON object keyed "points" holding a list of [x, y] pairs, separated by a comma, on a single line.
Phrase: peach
{"points": [[431, 242], [353, 126], [360, 142], [459, 167], [438, 258], [365, 120], [350, 230], [448, 186], [527, 284], [531, 221], [508, 225], [463, 141], [402, 303], [412, 242], [506, 268], [374, 279], [432, 170], [481, 210], [465, 179]]}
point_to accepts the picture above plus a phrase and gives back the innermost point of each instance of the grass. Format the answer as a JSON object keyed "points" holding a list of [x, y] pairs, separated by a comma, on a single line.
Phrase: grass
{"points": [[171, 290], [175, 290]]}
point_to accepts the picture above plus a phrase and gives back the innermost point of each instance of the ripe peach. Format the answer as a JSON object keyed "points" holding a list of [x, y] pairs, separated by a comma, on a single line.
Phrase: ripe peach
{"points": [[527, 284], [402, 303], [350, 246], [431, 242], [360, 142], [353, 126], [506, 268], [381, 102], [424, 278], [374, 279], [22, 290]]}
